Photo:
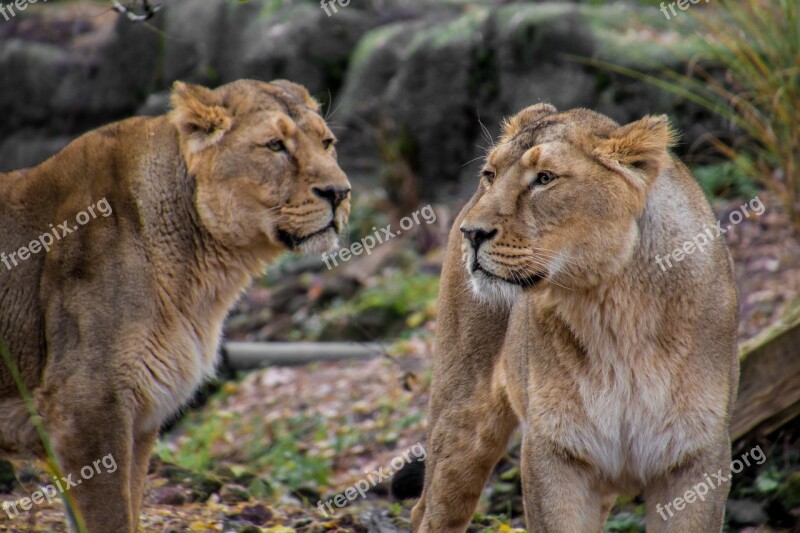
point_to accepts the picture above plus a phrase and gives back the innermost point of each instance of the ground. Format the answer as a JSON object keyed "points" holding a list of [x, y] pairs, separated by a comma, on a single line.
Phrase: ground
{"points": [[272, 446]]}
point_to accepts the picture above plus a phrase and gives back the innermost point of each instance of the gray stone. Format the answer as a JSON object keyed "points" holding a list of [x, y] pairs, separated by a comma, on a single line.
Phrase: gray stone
{"points": [[746, 512], [28, 149]]}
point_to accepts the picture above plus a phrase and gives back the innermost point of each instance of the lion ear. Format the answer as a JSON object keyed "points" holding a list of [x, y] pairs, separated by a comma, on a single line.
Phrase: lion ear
{"points": [[639, 150], [529, 115], [199, 115], [298, 92]]}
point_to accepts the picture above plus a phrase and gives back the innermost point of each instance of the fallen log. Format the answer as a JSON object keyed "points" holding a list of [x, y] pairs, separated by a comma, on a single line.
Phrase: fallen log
{"points": [[254, 355], [769, 386]]}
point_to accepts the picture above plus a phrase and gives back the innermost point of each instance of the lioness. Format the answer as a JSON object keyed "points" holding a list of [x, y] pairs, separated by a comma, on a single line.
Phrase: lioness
{"points": [[116, 325], [555, 314]]}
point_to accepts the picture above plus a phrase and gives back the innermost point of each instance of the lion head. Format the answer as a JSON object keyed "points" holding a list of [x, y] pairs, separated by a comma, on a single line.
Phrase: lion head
{"points": [[264, 164], [559, 199]]}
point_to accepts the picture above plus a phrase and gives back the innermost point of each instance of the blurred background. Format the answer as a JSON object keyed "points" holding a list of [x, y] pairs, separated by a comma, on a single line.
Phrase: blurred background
{"points": [[415, 91]]}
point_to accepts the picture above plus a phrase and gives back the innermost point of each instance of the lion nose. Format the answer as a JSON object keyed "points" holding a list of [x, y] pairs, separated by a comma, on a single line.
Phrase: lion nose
{"points": [[477, 236], [334, 195]]}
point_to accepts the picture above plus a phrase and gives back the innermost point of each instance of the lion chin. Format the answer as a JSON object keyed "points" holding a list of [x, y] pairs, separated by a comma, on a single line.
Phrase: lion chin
{"points": [[491, 289], [319, 243]]}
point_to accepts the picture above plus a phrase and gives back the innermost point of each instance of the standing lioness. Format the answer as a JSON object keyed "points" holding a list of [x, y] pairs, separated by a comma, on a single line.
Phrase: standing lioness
{"points": [[622, 373], [159, 224]]}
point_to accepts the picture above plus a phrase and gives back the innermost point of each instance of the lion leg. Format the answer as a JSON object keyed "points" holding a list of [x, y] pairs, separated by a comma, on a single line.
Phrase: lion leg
{"points": [[465, 445], [86, 427], [560, 495], [692, 498], [469, 418], [142, 450]]}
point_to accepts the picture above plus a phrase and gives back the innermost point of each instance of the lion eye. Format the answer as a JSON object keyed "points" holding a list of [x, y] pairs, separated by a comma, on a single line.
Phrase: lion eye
{"points": [[543, 178], [276, 146], [488, 175], [327, 143]]}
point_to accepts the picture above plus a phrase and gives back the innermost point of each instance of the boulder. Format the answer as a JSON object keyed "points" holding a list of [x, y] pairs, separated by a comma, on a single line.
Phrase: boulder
{"points": [[424, 84]]}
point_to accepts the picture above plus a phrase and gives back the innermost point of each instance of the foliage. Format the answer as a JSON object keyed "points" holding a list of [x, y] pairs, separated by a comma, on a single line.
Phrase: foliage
{"points": [[398, 296], [727, 179], [277, 448], [757, 42], [625, 523]]}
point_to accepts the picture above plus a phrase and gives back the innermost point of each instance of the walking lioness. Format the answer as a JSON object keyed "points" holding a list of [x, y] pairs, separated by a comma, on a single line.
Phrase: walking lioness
{"points": [[121, 256], [555, 314]]}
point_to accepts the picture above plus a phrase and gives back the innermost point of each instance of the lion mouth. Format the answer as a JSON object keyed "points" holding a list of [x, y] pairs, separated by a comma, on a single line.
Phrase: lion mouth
{"points": [[294, 241], [526, 282]]}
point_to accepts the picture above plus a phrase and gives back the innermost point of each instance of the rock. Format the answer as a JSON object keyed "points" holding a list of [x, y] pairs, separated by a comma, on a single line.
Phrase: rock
{"points": [[170, 495], [156, 104], [746, 512], [256, 514], [429, 95], [195, 30], [215, 42], [410, 79], [232, 494], [91, 71], [423, 84], [299, 43], [59, 83], [525, 58], [33, 74], [28, 148], [115, 77]]}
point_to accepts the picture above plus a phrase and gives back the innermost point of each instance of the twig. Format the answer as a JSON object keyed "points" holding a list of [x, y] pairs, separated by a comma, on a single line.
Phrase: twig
{"points": [[148, 10]]}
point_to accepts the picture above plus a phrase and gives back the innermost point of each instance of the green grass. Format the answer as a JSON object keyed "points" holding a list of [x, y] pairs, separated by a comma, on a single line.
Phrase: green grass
{"points": [[407, 298], [277, 450], [726, 180], [747, 71]]}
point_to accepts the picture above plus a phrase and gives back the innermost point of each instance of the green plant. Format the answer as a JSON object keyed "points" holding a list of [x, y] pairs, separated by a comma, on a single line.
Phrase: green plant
{"points": [[276, 449], [757, 44], [285, 455], [624, 522], [398, 295], [727, 179]]}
